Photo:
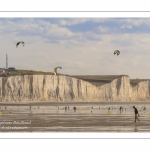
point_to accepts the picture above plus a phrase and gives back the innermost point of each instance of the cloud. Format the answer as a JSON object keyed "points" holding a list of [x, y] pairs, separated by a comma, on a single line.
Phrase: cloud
{"points": [[135, 21], [49, 44], [126, 26], [103, 29], [35, 28], [75, 21]]}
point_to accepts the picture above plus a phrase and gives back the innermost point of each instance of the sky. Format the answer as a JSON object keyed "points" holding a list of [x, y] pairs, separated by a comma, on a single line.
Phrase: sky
{"points": [[81, 46]]}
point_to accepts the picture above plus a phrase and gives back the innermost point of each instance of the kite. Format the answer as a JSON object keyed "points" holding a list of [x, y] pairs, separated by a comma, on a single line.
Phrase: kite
{"points": [[55, 70], [116, 52], [19, 43]]}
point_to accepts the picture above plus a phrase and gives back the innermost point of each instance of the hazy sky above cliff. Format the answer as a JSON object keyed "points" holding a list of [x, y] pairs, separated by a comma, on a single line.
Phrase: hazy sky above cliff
{"points": [[82, 46]]}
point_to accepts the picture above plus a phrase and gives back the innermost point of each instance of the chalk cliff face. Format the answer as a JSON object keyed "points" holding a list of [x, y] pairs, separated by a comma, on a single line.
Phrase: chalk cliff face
{"points": [[34, 88]]}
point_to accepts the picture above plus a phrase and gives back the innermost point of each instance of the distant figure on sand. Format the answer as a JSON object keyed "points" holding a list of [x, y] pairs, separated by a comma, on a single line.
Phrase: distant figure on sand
{"points": [[74, 109], [65, 108], [121, 109], [136, 113]]}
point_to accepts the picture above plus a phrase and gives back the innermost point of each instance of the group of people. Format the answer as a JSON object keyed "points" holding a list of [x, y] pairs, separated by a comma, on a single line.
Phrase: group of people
{"points": [[66, 108], [135, 112]]}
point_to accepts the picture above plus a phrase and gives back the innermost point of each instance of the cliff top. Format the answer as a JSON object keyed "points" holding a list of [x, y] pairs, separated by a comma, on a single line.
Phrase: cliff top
{"points": [[93, 79], [25, 72], [104, 79], [98, 79], [134, 82]]}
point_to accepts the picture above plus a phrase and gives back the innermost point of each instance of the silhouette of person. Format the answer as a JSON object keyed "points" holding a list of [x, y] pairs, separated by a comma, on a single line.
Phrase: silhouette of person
{"points": [[136, 114]]}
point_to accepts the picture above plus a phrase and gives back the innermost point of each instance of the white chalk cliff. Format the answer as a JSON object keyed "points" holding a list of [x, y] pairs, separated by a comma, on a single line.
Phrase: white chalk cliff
{"points": [[50, 88]]}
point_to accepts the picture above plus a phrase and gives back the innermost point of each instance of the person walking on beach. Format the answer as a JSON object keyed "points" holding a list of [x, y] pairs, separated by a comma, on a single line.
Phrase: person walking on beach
{"points": [[120, 109], [74, 109], [136, 113]]}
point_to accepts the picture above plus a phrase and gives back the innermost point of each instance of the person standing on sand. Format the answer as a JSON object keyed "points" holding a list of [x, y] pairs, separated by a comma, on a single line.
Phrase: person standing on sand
{"points": [[136, 113], [120, 109]]}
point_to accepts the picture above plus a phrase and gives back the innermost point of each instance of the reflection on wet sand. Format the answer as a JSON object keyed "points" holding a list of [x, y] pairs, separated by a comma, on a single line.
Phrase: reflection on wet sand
{"points": [[77, 118]]}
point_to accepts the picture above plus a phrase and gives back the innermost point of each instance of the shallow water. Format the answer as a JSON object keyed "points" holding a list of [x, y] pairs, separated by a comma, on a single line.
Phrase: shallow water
{"points": [[86, 118], [103, 109]]}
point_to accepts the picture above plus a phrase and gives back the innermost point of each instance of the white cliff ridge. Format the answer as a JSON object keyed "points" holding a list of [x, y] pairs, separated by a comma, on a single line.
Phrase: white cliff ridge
{"points": [[50, 88]]}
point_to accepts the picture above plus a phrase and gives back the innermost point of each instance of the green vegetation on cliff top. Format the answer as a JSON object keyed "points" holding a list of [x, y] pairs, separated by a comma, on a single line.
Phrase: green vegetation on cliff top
{"points": [[26, 72]]}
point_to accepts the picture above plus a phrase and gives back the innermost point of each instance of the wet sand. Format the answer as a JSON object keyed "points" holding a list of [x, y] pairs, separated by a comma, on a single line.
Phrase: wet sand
{"points": [[88, 117], [91, 123]]}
